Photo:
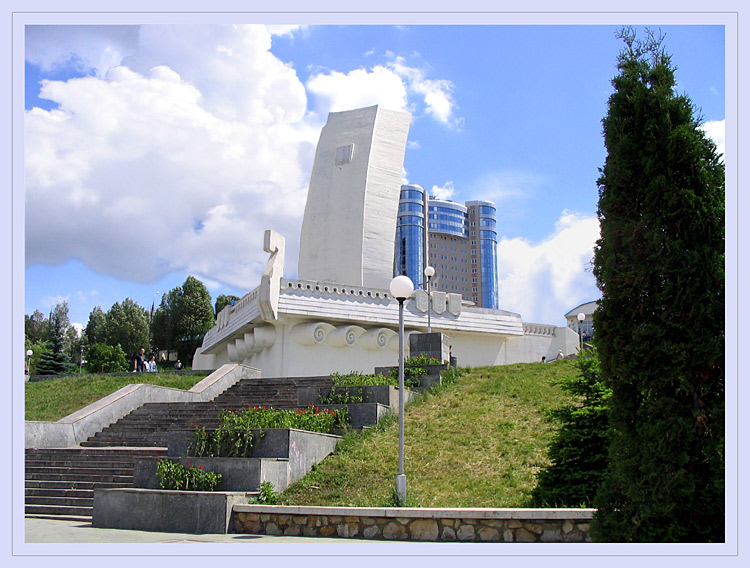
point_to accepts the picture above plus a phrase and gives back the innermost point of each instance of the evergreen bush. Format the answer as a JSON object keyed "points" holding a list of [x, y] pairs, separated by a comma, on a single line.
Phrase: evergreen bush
{"points": [[578, 451], [660, 323]]}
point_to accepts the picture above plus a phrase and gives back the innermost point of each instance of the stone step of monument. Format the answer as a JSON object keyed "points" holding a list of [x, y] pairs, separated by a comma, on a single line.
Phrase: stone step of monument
{"points": [[35, 471], [78, 502], [62, 485], [150, 423], [60, 482], [63, 475], [65, 492], [59, 512]]}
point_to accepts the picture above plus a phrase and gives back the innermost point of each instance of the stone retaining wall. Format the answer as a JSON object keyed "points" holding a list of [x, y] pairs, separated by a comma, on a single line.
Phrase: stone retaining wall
{"points": [[435, 525]]}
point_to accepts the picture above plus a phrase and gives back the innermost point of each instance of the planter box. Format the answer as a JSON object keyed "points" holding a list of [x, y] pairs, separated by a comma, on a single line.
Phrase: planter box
{"points": [[363, 414], [193, 512], [281, 456], [238, 474], [381, 394]]}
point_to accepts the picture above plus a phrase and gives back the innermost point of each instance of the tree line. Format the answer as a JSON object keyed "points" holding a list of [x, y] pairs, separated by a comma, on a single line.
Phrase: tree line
{"points": [[110, 340]]}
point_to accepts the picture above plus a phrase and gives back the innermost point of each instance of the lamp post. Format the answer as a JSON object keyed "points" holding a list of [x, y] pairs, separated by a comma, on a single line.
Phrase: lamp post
{"points": [[581, 317], [429, 272], [401, 288], [29, 353]]}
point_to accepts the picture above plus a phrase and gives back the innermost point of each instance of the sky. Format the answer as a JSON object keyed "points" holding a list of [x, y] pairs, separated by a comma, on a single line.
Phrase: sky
{"points": [[154, 152]]}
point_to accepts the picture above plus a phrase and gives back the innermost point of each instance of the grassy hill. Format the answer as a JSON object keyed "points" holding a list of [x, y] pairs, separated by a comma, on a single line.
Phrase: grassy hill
{"points": [[476, 443], [56, 398]]}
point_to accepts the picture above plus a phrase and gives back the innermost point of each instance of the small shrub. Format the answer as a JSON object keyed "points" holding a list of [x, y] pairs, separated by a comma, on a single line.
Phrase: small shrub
{"points": [[355, 378], [267, 495], [342, 396], [174, 476], [103, 358]]}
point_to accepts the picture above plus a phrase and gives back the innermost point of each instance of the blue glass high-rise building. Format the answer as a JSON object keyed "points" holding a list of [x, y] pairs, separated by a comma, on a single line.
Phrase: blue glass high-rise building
{"points": [[483, 238], [461, 245], [411, 238]]}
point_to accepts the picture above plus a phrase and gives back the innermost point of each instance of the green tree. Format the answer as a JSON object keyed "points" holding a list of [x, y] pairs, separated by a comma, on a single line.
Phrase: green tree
{"points": [[193, 317], [96, 328], [222, 302], [183, 318], [660, 324], [74, 346], [163, 321], [127, 326], [579, 450], [38, 349], [104, 358], [57, 360], [36, 327]]}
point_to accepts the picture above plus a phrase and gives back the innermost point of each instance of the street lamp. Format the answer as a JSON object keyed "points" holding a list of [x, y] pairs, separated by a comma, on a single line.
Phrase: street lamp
{"points": [[581, 317], [29, 353], [429, 272], [401, 288]]}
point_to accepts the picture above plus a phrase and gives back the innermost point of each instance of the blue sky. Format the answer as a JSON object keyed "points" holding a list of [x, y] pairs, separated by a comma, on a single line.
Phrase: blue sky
{"points": [[153, 152]]}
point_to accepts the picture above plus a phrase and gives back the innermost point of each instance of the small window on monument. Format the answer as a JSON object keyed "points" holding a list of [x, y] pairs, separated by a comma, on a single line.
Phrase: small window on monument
{"points": [[344, 154]]}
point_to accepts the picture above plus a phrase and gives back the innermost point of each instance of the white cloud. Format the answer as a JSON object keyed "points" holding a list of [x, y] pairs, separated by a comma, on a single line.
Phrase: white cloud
{"points": [[286, 30], [436, 93], [336, 91], [79, 47], [543, 281], [83, 296], [182, 144], [445, 192], [396, 86], [715, 130], [175, 160], [50, 301]]}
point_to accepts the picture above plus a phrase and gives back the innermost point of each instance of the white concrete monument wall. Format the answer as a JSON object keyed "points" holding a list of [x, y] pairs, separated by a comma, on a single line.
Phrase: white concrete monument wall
{"points": [[349, 225]]}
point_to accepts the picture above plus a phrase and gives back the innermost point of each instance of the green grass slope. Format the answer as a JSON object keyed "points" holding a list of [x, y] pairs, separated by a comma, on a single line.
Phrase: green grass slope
{"points": [[476, 443], [56, 398]]}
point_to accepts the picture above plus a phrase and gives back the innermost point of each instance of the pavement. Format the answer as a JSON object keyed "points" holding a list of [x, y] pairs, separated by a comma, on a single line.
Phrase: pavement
{"points": [[39, 530]]}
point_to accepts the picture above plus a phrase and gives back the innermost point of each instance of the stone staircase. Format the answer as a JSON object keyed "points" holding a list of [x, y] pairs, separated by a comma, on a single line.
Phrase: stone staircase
{"points": [[150, 424], [60, 482]]}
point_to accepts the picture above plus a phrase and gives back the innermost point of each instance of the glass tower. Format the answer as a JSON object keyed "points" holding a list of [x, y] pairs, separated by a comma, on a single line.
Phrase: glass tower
{"points": [[483, 224], [461, 245], [409, 257]]}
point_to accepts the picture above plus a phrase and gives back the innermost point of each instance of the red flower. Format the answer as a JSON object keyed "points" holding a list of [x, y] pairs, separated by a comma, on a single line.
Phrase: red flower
{"points": [[200, 466], [264, 408], [188, 464]]}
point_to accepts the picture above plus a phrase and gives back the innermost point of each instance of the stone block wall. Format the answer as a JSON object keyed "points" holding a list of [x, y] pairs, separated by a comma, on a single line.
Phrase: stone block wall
{"points": [[432, 525]]}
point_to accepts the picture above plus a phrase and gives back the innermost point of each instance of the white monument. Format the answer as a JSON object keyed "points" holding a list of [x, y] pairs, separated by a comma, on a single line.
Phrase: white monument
{"points": [[350, 218], [339, 315]]}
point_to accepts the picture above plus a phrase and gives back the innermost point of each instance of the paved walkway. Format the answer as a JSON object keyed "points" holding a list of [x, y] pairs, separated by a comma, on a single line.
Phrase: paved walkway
{"points": [[57, 531]]}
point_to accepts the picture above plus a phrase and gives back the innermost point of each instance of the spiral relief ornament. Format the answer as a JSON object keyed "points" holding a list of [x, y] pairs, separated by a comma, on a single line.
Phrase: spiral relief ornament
{"points": [[311, 333], [376, 338], [345, 336]]}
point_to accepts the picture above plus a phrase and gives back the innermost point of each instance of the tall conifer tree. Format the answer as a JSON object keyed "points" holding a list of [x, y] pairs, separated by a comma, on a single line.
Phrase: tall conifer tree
{"points": [[660, 324]]}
